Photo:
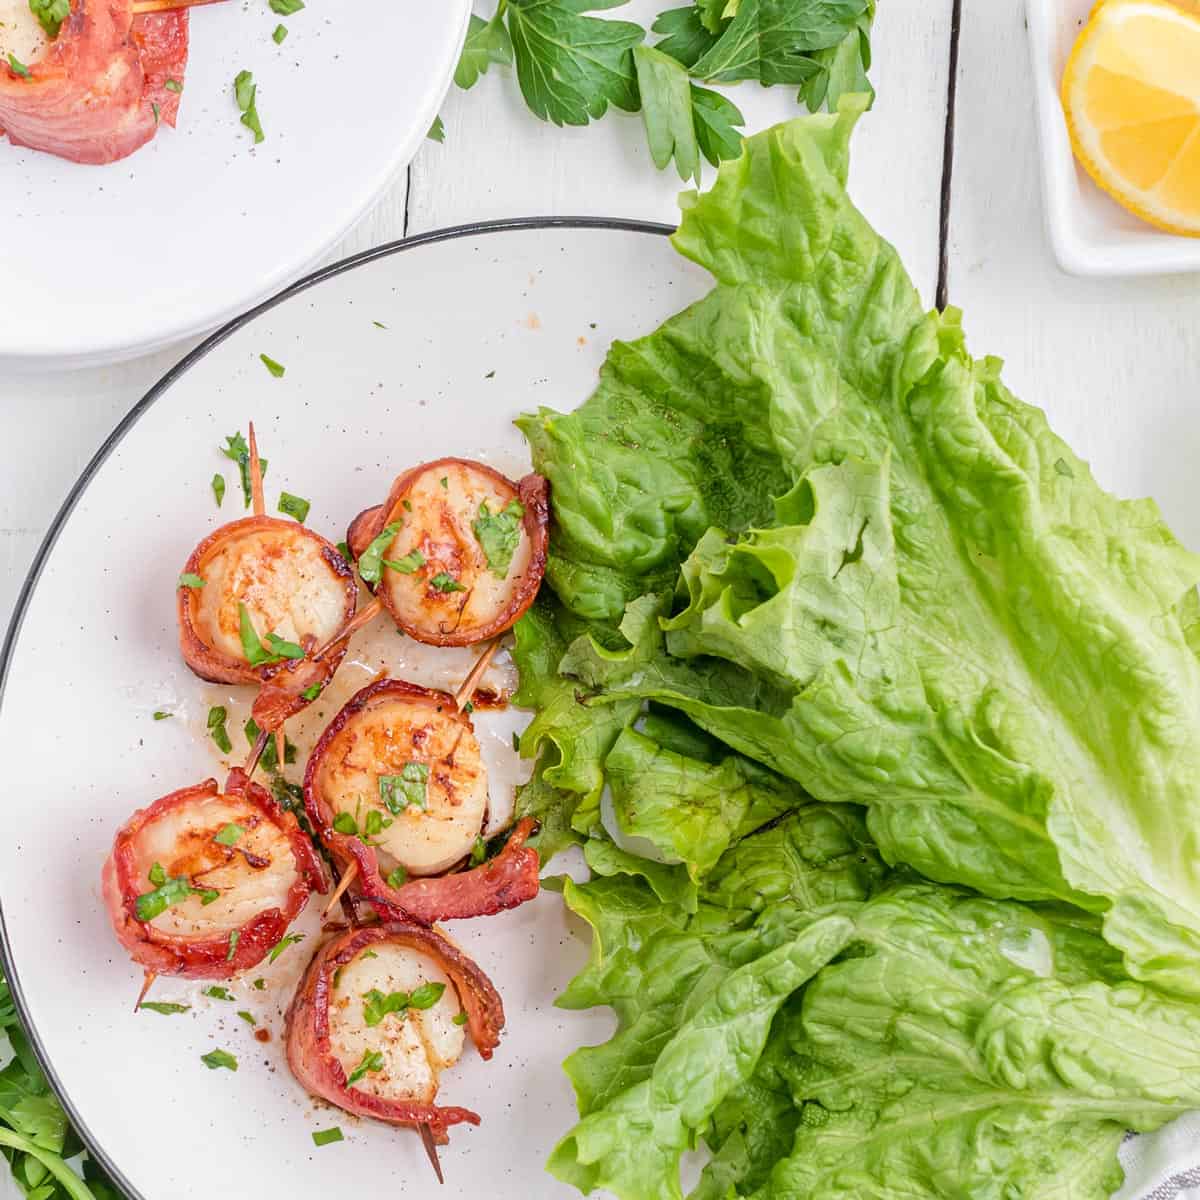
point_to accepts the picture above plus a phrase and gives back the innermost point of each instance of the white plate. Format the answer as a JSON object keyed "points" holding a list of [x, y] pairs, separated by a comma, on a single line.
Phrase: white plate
{"points": [[481, 325], [102, 263], [1090, 232]]}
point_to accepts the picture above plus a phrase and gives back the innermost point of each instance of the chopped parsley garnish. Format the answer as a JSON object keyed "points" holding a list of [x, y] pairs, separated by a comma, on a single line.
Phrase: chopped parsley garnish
{"points": [[445, 482], [188, 580], [411, 786], [208, 895], [406, 565], [166, 895], [173, 85], [516, 740], [51, 14], [217, 730], [407, 505], [219, 1058], [218, 489], [161, 714], [285, 8], [376, 1005], [444, 583], [397, 878], [157, 875], [164, 1007], [311, 693], [18, 67], [368, 954], [217, 992], [245, 92], [379, 324], [326, 1137], [283, 943], [157, 112], [270, 756], [478, 852], [238, 450], [370, 565], [345, 823], [260, 984], [229, 835], [344, 550], [234, 938], [468, 708], [427, 995], [499, 535], [289, 795], [280, 35], [460, 1018], [372, 1060], [256, 654], [374, 823], [276, 368], [437, 131], [293, 506], [247, 1017]]}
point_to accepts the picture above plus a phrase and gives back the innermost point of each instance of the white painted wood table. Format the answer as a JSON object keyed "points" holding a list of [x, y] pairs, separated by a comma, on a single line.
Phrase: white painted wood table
{"points": [[1114, 363]]}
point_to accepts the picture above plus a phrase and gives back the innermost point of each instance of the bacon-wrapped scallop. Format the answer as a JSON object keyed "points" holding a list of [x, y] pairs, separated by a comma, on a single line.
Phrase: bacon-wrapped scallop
{"points": [[457, 551], [396, 786], [380, 1013], [256, 598], [205, 881], [100, 87]]}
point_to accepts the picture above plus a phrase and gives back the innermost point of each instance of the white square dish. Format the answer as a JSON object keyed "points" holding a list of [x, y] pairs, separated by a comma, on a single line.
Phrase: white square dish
{"points": [[1091, 233]]}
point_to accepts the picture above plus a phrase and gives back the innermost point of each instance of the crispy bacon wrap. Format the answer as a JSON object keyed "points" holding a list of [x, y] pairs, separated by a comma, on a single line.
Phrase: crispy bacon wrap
{"points": [[436, 508], [262, 879], [388, 727], [313, 1037], [92, 96], [292, 579]]}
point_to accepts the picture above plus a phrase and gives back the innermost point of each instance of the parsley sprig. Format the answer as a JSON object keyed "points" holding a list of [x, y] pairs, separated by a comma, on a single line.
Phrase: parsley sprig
{"points": [[572, 67]]}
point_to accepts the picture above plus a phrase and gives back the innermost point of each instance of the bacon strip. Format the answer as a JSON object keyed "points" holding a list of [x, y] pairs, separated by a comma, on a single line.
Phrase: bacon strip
{"points": [[91, 97], [533, 491], [198, 957], [505, 882], [290, 676], [309, 1050]]}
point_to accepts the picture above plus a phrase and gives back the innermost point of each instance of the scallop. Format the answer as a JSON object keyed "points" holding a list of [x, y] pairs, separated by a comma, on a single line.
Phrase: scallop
{"points": [[410, 758], [413, 1044], [467, 555], [282, 575], [252, 868]]}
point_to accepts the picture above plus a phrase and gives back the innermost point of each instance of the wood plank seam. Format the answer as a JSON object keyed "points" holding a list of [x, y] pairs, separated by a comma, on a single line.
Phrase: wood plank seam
{"points": [[943, 283]]}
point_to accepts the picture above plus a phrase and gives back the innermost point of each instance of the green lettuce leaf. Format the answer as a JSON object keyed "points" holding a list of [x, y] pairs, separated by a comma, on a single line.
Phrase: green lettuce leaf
{"points": [[897, 587]]}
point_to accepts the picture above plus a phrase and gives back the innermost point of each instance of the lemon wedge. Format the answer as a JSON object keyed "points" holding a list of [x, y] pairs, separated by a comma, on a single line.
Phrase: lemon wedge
{"points": [[1131, 95]]}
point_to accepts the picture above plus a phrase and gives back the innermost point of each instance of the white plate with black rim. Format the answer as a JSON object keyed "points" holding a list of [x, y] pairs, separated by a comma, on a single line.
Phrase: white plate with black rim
{"points": [[103, 263], [411, 352]]}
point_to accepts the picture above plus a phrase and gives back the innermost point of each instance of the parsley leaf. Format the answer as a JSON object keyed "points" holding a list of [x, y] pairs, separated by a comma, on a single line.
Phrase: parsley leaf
{"points": [[571, 67], [370, 565], [173, 85], [256, 654], [445, 583], [188, 580], [18, 67], [286, 8], [280, 35], [487, 43], [293, 506], [245, 92], [499, 534], [372, 1060], [170, 892], [841, 68], [714, 117], [218, 488], [411, 786], [234, 938], [51, 14], [345, 823], [283, 943], [460, 1018], [229, 835], [247, 1017], [437, 131], [219, 1058], [427, 995], [406, 565], [397, 878], [217, 992], [478, 852], [667, 113], [270, 756], [217, 730], [376, 1005], [686, 40], [312, 691], [164, 1007], [238, 450], [161, 714], [326, 1137], [773, 40], [277, 369]]}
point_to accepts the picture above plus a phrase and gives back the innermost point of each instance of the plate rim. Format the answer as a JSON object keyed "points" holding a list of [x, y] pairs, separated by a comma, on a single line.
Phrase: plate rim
{"points": [[127, 422]]}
